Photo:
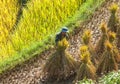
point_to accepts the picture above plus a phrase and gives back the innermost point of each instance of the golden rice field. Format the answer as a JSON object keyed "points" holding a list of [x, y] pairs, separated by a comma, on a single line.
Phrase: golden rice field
{"points": [[40, 20], [8, 12]]}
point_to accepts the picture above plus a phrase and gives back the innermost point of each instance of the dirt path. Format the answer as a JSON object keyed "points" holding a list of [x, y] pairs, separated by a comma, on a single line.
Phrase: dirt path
{"points": [[30, 71]]}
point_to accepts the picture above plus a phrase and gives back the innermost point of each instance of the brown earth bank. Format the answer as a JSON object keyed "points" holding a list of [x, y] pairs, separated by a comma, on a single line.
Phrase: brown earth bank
{"points": [[30, 72]]}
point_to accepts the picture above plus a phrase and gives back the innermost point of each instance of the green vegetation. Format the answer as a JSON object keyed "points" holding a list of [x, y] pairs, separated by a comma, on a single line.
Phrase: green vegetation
{"points": [[111, 78], [86, 81]]}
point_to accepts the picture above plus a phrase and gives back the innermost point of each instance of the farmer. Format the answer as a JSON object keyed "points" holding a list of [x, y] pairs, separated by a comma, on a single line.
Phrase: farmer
{"points": [[62, 34]]}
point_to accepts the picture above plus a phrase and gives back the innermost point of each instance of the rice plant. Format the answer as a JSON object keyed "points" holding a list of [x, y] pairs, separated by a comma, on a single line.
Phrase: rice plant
{"points": [[40, 20], [8, 15]]}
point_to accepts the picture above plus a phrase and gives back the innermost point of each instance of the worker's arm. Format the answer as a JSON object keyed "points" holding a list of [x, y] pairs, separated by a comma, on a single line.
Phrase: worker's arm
{"points": [[56, 39]]}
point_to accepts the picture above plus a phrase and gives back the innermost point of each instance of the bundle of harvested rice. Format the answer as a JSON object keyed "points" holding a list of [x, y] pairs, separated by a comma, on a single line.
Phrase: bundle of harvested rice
{"points": [[86, 40], [86, 68], [112, 38], [108, 62], [99, 48], [60, 64], [86, 37], [118, 37], [113, 21]]}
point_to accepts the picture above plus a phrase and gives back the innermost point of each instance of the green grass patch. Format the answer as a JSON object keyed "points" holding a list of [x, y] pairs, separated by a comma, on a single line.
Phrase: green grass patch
{"points": [[86, 81], [110, 78]]}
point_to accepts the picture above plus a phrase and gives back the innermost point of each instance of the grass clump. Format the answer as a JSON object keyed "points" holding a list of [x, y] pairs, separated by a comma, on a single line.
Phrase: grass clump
{"points": [[60, 64]]}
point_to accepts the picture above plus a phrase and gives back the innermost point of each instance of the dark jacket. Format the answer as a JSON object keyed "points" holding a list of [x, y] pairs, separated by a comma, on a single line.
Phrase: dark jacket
{"points": [[59, 37]]}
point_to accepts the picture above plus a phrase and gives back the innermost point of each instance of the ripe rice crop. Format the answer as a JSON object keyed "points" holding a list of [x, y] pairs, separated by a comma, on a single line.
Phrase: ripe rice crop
{"points": [[40, 20]]}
